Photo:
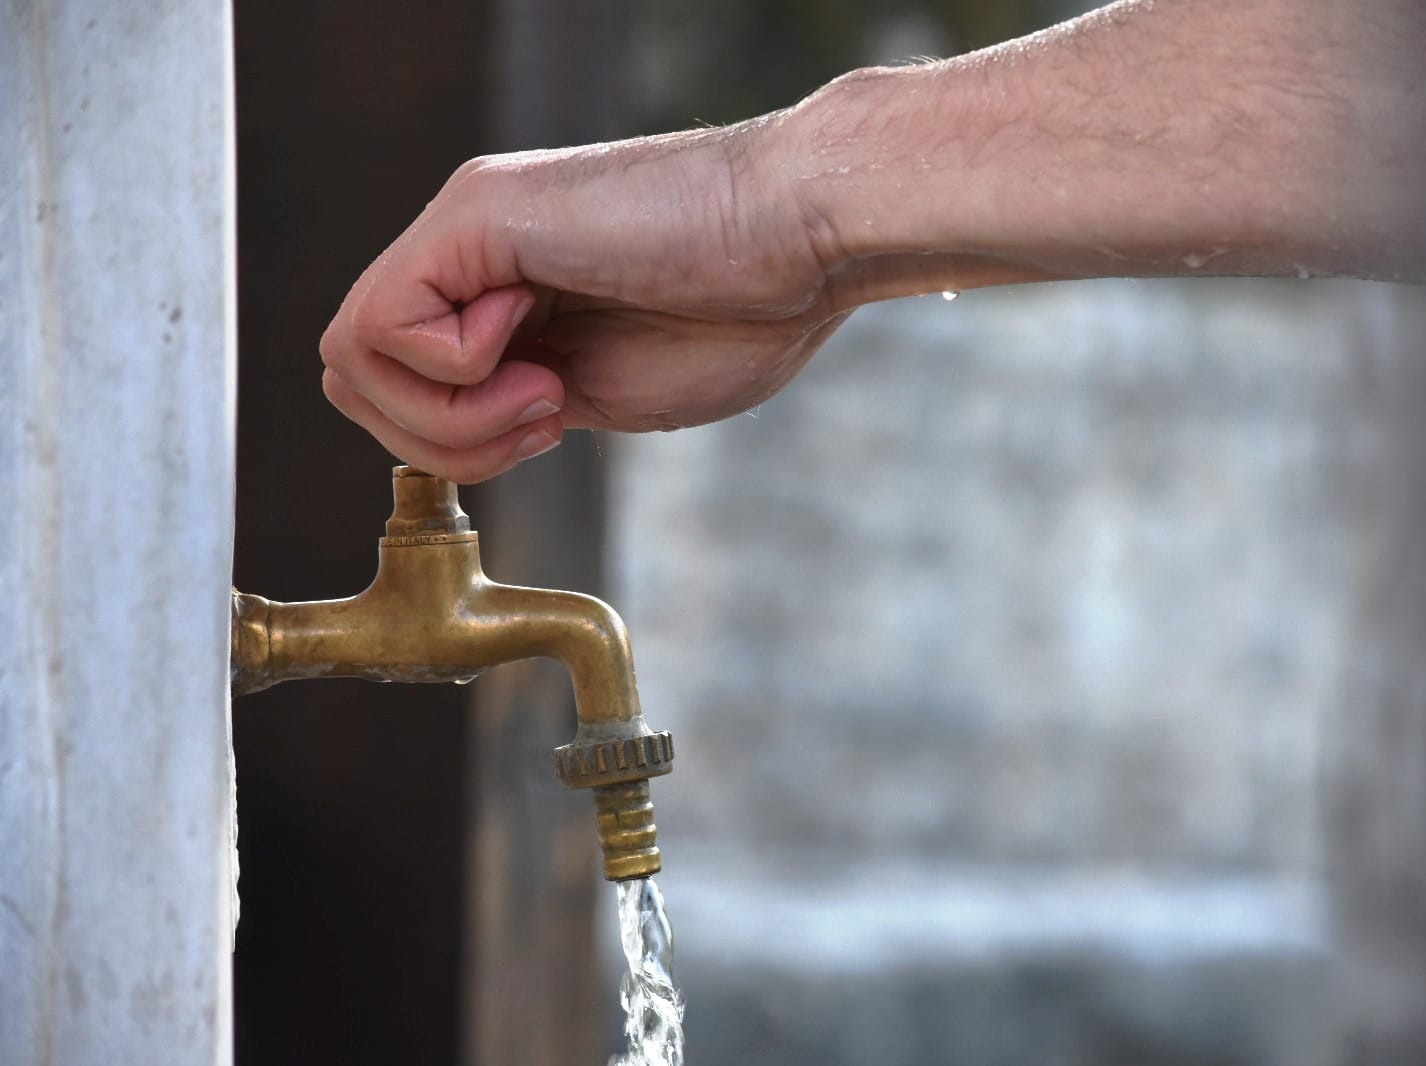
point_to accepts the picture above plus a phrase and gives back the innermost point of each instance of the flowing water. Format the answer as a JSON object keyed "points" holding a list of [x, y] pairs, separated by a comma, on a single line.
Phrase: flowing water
{"points": [[653, 1009]]}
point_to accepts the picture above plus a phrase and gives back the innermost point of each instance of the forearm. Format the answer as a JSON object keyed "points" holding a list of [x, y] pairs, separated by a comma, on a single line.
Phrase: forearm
{"points": [[665, 282], [1186, 137]]}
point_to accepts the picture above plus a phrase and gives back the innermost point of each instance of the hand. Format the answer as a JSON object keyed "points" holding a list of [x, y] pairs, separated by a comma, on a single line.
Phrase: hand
{"points": [[671, 281], [648, 284]]}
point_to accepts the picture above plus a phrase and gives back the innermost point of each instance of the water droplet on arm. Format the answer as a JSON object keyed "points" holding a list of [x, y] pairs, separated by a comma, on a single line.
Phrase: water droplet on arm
{"points": [[950, 294]]}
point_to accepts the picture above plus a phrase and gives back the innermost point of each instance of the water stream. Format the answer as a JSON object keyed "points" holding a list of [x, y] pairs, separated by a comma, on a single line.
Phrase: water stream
{"points": [[653, 1010]]}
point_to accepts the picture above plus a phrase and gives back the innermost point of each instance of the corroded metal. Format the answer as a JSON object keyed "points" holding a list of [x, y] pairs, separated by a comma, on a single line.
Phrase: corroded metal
{"points": [[592, 763], [431, 615]]}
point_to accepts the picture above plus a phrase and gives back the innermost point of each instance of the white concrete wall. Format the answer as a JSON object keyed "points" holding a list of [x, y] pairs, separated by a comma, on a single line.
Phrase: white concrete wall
{"points": [[116, 469]]}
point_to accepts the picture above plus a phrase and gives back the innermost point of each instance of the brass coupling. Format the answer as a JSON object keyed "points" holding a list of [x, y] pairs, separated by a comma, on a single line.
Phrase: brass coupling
{"points": [[592, 764], [618, 770], [628, 837]]}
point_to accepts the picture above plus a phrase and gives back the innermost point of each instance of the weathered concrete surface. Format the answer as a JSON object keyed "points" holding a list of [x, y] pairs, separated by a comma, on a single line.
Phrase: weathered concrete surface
{"points": [[1067, 584], [116, 369]]}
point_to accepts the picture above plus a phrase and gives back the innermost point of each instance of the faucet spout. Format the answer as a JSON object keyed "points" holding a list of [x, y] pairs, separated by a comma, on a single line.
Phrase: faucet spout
{"points": [[431, 615]]}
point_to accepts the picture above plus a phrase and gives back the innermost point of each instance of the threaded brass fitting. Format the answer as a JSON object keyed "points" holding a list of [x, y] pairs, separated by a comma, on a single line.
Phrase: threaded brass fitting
{"points": [[618, 770], [627, 834], [590, 764]]}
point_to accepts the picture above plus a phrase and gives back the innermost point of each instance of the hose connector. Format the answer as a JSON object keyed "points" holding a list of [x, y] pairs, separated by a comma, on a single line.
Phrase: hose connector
{"points": [[628, 836], [618, 770]]}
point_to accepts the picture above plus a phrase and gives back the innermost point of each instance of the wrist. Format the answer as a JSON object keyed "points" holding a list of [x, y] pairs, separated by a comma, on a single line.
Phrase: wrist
{"points": [[896, 183], [842, 153]]}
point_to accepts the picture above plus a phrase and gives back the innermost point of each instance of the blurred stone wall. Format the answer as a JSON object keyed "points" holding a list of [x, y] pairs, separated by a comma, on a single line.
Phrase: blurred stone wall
{"points": [[1008, 652]]}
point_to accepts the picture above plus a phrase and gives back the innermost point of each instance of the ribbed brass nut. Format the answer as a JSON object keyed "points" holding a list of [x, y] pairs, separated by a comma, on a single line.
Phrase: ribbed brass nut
{"points": [[593, 764]]}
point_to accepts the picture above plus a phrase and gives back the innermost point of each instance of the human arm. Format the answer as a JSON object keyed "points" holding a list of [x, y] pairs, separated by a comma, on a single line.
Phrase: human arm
{"points": [[679, 279], [1183, 137]]}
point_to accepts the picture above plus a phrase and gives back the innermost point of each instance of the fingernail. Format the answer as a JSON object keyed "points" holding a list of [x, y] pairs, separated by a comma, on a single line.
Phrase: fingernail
{"points": [[533, 444], [538, 409], [521, 310]]}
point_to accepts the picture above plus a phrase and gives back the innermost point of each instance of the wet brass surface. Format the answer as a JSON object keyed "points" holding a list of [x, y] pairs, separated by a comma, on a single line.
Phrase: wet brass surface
{"points": [[431, 615]]}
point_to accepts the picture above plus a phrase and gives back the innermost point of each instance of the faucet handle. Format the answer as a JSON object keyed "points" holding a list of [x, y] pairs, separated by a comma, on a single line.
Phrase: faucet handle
{"points": [[424, 505]]}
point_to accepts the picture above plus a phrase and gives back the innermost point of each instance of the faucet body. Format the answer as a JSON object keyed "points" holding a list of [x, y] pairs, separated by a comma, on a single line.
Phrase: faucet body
{"points": [[431, 615]]}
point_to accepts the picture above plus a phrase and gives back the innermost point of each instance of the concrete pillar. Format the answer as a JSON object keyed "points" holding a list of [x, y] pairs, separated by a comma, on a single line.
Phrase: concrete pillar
{"points": [[116, 446]]}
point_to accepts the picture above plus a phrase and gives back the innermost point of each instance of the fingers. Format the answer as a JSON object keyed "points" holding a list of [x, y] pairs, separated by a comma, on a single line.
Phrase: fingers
{"points": [[455, 343], [454, 416], [443, 299], [463, 464], [414, 355], [460, 345]]}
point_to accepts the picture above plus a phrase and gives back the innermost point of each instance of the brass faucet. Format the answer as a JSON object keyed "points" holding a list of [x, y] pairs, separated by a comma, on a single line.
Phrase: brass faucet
{"points": [[432, 615]]}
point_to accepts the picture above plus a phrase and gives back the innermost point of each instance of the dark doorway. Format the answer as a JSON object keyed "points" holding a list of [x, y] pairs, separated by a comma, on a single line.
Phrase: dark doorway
{"points": [[361, 807], [351, 796]]}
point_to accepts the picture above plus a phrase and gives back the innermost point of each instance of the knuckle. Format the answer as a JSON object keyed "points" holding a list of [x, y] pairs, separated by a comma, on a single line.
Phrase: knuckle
{"points": [[365, 325], [471, 166], [330, 348], [335, 389], [463, 173]]}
